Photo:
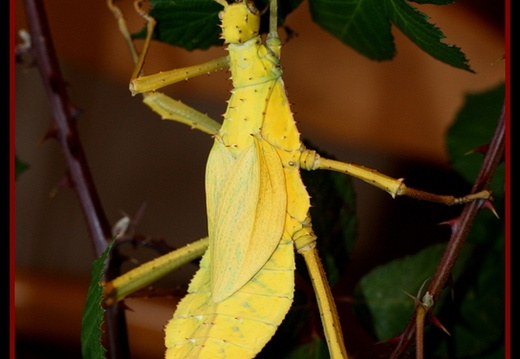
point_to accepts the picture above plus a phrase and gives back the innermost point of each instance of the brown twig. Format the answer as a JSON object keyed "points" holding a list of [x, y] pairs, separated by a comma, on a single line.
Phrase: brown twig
{"points": [[460, 230], [79, 176]]}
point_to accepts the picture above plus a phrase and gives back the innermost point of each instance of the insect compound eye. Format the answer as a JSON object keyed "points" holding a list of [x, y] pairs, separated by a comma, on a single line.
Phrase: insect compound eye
{"points": [[251, 7]]}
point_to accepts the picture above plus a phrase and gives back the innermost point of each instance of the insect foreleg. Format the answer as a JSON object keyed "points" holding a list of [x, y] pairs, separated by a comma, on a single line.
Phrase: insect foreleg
{"points": [[165, 78], [165, 106], [310, 160], [123, 28]]}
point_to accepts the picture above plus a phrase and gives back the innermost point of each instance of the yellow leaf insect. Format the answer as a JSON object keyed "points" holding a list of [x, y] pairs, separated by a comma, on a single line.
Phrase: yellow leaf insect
{"points": [[257, 204]]}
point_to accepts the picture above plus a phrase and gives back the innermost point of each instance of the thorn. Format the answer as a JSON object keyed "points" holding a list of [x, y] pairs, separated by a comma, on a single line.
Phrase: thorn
{"points": [[51, 133], [433, 320], [427, 301], [125, 307], [480, 149], [137, 217], [422, 287], [395, 339], [415, 299], [488, 205], [453, 223]]}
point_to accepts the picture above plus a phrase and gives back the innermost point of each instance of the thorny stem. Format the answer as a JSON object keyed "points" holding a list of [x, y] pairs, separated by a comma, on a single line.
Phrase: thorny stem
{"points": [[64, 126], [460, 231], [78, 175]]}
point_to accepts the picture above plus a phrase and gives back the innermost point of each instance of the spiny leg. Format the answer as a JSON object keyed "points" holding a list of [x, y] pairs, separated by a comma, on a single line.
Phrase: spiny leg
{"points": [[149, 83], [123, 28], [151, 271], [137, 58], [160, 103], [310, 160], [143, 84], [305, 244]]}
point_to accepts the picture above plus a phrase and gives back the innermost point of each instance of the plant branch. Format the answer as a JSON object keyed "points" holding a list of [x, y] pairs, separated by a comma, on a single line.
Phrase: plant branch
{"points": [[460, 230], [79, 176], [64, 126]]}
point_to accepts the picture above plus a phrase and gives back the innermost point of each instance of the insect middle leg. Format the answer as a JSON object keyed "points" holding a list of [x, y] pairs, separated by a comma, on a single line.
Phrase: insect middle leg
{"points": [[395, 187]]}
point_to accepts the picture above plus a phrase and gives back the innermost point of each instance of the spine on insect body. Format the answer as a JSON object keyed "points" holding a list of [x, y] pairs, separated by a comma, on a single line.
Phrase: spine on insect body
{"points": [[253, 186], [256, 202]]}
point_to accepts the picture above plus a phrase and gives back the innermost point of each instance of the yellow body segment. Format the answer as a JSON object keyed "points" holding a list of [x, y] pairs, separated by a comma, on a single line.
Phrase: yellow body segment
{"points": [[240, 325], [247, 194], [256, 202]]}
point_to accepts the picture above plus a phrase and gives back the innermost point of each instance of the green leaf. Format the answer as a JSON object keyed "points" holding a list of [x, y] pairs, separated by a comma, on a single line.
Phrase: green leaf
{"points": [[473, 127], [194, 24], [20, 167], [380, 299], [93, 312], [475, 318], [362, 25], [428, 37], [188, 24], [365, 25]]}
